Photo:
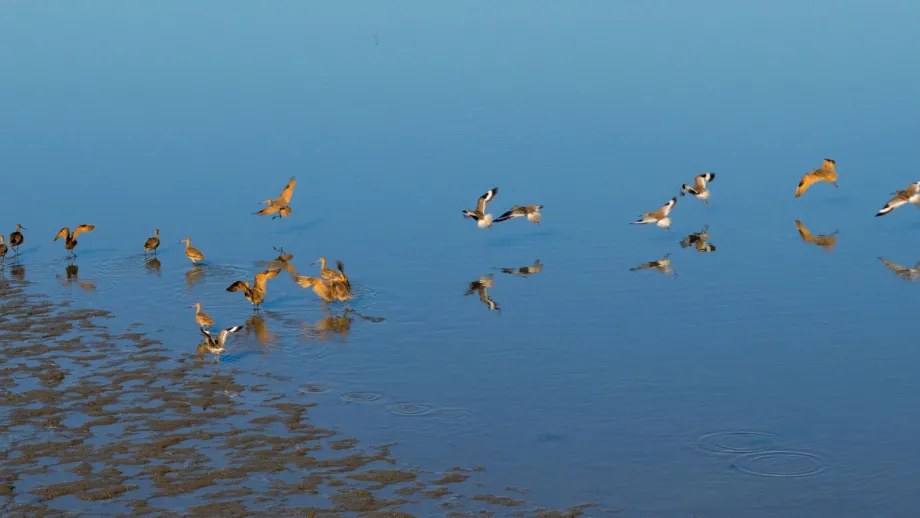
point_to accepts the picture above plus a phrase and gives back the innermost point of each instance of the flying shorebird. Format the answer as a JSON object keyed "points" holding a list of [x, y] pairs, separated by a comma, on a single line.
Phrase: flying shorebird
{"points": [[537, 267], [255, 293], [214, 344], [70, 240], [191, 252], [531, 211], [481, 285], [482, 219], [825, 241], [203, 319], [663, 265], [280, 204], [699, 240], [16, 238], [827, 173], [699, 188], [152, 243], [901, 197], [659, 217], [910, 274]]}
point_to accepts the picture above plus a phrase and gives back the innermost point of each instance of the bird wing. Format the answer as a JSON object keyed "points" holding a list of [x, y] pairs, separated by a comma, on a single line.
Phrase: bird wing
{"points": [[700, 182], [62, 233], [82, 228], [287, 193], [224, 333], [263, 276], [484, 199], [513, 213], [271, 209], [207, 335], [900, 198], [239, 285], [306, 282], [893, 266], [471, 214], [487, 300], [807, 181], [665, 209], [803, 231], [475, 285]]}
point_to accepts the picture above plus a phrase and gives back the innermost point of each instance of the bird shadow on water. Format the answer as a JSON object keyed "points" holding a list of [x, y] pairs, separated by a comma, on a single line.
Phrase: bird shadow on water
{"points": [[512, 240], [300, 227]]}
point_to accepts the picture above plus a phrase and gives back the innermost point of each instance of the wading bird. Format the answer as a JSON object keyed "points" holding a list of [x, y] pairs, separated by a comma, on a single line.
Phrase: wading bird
{"points": [[699, 188], [16, 238], [70, 240], [333, 275], [203, 319], [255, 292], [532, 212], [902, 197], [191, 252], [479, 215], [215, 344], [152, 243], [827, 173], [280, 204], [659, 217]]}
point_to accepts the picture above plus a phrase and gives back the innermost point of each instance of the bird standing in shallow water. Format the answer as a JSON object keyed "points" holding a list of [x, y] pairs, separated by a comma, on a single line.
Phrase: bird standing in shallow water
{"points": [[70, 240], [191, 252], [16, 238], [152, 243], [255, 293], [280, 204], [531, 211], [328, 291], [659, 217], [699, 188], [203, 319], [482, 219], [215, 344], [902, 197], [334, 276], [827, 173]]}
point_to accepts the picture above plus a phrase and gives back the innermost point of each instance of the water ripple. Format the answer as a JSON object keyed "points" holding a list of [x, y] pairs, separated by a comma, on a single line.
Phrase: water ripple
{"points": [[407, 409], [360, 397], [780, 464], [737, 441]]}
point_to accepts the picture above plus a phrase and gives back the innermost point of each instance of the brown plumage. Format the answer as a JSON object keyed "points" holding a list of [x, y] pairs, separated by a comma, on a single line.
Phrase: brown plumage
{"points": [[280, 204], [532, 212], [191, 252], [16, 238], [481, 286], [203, 319], [537, 267], [825, 241], [152, 243], [70, 240], [827, 173], [255, 292], [699, 240], [329, 291]]}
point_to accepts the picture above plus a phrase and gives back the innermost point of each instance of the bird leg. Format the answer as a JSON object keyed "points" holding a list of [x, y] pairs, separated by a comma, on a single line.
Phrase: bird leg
{"points": [[835, 185]]}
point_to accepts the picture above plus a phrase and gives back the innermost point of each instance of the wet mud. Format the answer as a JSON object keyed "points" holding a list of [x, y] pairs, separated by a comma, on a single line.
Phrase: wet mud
{"points": [[95, 422]]}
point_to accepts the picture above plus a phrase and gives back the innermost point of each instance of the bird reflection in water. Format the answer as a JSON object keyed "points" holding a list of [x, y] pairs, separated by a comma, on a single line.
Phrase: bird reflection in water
{"points": [[257, 327], [663, 265], [824, 241], [73, 276], [906, 273], [153, 265], [330, 326], [699, 240], [194, 275], [282, 262], [481, 286], [18, 271], [536, 267]]}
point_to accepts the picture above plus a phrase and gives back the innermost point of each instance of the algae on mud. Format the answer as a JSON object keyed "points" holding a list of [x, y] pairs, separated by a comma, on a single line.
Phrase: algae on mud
{"points": [[99, 423]]}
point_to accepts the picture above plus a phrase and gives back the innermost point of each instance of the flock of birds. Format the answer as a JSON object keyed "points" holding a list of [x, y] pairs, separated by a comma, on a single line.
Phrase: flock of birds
{"points": [[333, 285]]}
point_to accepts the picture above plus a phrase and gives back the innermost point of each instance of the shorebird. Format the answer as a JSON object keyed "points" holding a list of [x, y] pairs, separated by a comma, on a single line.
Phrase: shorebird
{"points": [[699, 240], [203, 319], [328, 273], [214, 344], [663, 265], [531, 211], [827, 173], [280, 204], [3, 249], [16, 238], [152, 243], [482, 219], [537, 267], [825, 241], [191, 252], [481, 285], [659, 217], [328, 291], [255, 293], [909, 195], [70, 240], [699, 188], [910, 274]]}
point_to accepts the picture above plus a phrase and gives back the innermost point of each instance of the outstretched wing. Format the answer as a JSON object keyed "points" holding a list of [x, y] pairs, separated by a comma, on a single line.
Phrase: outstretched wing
{"points": [[665, 209], [702, 179], [807, 181], [82, 228], [287, 193], [471, 214], [224, 333], [62, 233], [897, 268], [485, 199], [271, 209], [803, 231], [513, 213], [239, 285], [901, 197], [263, 276], [207, 334]]}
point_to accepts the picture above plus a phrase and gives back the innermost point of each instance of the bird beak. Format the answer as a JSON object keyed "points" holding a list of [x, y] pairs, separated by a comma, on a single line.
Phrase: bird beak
{"points": [[314, 262], [24, 228], [177, 242]]}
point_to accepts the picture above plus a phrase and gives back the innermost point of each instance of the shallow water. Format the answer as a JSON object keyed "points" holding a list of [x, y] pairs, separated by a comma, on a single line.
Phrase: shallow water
{"points": [[593, 383]]}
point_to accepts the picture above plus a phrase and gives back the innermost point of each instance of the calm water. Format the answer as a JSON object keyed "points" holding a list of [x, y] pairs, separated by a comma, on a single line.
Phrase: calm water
{"points": [[594, 383]]}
